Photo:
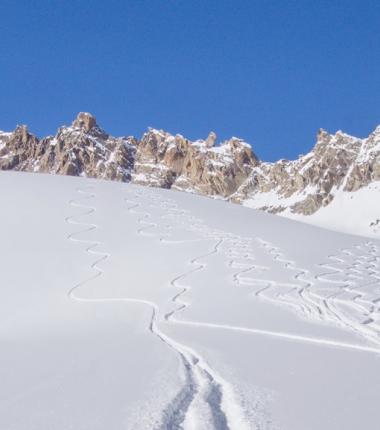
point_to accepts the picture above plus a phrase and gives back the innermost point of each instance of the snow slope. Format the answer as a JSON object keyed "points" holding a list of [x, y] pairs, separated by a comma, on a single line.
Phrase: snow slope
{"points": [[355, 213], [126, 307], [349, 212]]}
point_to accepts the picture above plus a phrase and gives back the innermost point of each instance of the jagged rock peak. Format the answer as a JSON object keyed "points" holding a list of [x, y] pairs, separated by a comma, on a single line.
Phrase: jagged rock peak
{"points": [[231, 170], [337, 163], [85, 121], [22, 132], [322, 135], [21, 128], [211, 139]]}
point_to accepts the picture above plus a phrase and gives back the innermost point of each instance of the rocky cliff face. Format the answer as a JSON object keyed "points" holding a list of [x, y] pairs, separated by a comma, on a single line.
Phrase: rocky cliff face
{"points": [[337, 162], [230, 170], [175, 162], [158, 159], [83, 149]]}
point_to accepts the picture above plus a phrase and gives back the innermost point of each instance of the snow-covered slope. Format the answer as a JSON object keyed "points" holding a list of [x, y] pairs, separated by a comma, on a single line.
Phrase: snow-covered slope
{"points": [[349, 212], [139, 308], [357, 212]]}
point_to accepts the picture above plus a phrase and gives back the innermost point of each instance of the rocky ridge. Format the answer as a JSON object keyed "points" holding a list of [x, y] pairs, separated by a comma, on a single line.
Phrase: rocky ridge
{"points": [[338, 162], [230, 170]]}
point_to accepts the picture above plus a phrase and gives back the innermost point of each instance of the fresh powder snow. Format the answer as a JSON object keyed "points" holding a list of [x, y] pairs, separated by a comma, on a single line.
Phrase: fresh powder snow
{"points": [[128, 307]]}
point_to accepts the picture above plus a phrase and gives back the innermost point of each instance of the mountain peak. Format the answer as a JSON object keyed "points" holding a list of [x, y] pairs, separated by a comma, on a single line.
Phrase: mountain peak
{"points": [[211, 139], [85, 121], [231, 170]]}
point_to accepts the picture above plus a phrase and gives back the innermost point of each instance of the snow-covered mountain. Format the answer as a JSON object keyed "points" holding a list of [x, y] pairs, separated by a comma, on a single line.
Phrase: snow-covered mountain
{"points": [[337, 162], [301, 188]]}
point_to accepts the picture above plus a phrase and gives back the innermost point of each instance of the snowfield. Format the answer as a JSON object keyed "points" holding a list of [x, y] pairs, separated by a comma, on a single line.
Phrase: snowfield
{"points": [[349, 212], [127, 307], [356, 212]]}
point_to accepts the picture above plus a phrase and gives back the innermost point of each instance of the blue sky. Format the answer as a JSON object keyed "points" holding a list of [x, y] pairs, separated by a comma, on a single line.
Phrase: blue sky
{"points": [[271, 72]]}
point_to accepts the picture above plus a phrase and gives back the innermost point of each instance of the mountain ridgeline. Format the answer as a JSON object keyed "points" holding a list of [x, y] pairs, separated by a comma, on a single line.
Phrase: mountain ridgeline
{"points": [[230, 170]]}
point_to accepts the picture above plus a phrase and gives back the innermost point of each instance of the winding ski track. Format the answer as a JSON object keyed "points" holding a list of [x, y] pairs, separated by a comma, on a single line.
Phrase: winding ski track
{"points": [[206, 400], [304, 301], [305, 295], [205, 396]]}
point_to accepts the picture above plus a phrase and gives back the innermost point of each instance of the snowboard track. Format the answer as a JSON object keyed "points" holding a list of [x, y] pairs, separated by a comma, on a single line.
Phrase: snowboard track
{"points": [[300, 291], [201, 382]]}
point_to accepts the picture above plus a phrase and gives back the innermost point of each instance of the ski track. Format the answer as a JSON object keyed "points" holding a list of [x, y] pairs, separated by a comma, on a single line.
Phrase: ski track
{"points": [[304, 291], [300, 292], [205, 396], [206, 400]]}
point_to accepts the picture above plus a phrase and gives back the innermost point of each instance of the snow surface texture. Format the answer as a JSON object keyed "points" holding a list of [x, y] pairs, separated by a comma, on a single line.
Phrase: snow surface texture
{"points": [[125, 307]]}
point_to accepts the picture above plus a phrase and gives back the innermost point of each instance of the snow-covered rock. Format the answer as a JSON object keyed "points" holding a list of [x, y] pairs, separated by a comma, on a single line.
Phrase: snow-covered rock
{"points": [[337, 163], [303, 186], [175, 162], [83, 149]]}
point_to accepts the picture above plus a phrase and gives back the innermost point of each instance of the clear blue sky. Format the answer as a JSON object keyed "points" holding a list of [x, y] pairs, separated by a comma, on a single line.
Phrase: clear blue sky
{"points": [[271, 72]]}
